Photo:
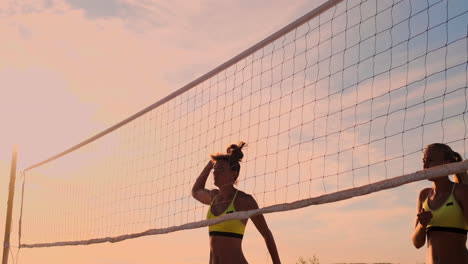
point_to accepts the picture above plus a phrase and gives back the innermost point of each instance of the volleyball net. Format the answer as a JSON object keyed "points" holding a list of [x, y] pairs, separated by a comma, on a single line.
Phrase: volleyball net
{"points": [[336, 104]]}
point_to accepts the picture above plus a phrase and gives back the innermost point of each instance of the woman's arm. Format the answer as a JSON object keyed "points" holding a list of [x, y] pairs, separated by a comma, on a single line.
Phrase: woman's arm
{"points": [[199, 191], [422, 220], [261, 225]]}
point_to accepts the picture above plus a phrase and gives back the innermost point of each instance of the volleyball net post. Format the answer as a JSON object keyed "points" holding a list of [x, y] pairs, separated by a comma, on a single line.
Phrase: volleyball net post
{"points": [[9, 212]]}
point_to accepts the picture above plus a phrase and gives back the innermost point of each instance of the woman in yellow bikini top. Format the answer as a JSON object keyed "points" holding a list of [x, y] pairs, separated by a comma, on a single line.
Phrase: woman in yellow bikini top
{"points": [[442, 215], [226, 237], [231, 228], [448, 217]]}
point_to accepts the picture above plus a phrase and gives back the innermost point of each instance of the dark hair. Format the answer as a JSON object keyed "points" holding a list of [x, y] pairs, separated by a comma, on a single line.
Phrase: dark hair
{"points": [[233, 156], [449, 155]]}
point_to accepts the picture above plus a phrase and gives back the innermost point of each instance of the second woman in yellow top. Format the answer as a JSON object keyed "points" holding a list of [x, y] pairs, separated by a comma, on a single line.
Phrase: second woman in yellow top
{"points": [[442, 215]]}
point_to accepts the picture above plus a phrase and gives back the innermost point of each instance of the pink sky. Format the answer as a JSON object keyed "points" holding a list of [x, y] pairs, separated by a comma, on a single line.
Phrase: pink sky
{"points": [[70, 69]]}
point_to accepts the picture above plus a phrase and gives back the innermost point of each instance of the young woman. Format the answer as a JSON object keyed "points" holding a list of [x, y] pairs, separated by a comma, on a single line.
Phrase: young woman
{"points": [[226, 237], [442, 211]]}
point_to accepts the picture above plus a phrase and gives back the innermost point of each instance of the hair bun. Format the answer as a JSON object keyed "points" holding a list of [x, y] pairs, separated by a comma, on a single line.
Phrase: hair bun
{"points": [[456, 156], [236, 151]]}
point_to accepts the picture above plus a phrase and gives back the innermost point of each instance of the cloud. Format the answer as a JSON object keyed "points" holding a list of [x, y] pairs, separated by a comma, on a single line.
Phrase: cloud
{"points": [[12, 7], [102, 9], [138, 18]]}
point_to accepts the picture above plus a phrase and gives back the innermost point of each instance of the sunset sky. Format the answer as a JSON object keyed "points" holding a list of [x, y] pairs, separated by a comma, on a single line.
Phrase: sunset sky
{"points": [[72, 68]]}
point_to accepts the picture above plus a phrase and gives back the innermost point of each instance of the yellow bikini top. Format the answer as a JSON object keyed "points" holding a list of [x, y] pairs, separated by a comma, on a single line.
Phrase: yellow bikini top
{"points": [[230, 228], [448, 217]]}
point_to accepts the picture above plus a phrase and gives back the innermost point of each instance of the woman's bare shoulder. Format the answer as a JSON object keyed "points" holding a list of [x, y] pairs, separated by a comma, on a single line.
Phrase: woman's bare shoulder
{"points": [[244, 196], [423, 194], [245, 201]]}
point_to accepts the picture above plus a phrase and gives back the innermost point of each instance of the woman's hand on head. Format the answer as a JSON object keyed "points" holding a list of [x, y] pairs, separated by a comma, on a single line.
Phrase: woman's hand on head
{"points": [[209, 166]]}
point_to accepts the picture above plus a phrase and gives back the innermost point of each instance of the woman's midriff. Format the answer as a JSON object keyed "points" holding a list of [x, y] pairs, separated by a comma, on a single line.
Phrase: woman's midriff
{"points": [[226, 250], [446, 247]]}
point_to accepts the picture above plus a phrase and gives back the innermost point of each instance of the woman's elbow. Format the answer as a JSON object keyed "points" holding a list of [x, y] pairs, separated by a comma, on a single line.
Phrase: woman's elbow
{"points": [[195, 189], [418, 244]]}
